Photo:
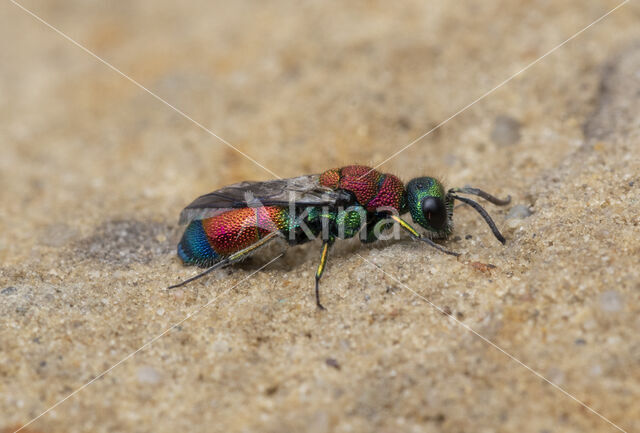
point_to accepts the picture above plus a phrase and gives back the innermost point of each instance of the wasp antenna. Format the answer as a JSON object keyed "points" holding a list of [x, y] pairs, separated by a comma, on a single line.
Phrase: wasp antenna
{"points": [[482, 194], [201, 274], [484, 214]]}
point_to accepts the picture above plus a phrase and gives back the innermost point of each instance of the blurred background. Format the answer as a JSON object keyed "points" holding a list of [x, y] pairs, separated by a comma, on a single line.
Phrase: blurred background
{"points": [[94, 172]]}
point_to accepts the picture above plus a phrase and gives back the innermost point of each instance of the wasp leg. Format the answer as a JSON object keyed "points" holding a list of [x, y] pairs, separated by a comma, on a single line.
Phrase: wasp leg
{"points": [[415, 235], [321, 266], [375, 225], [235, 257]]}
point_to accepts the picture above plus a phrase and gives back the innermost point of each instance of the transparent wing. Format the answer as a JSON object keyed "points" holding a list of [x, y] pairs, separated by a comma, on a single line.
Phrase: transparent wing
{"points": [[301, 191]]}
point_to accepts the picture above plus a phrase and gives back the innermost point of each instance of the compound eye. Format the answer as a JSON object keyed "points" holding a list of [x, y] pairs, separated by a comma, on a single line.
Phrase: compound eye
{"points": [[435, 212]]}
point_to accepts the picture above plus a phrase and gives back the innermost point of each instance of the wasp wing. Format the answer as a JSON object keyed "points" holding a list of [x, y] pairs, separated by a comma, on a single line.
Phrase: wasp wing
{"points": [[300, 191]]}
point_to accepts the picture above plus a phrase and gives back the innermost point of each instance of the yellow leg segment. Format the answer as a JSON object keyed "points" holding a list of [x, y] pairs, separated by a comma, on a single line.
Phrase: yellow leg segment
{"points": [[405, 225], [321, 266]]}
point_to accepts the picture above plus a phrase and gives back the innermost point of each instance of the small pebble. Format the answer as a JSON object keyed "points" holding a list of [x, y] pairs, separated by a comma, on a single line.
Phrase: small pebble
{"points": [[148, 374], [178, 294], [506, 131], [221, 346], [8, 290], [611, 301], [556, 375], [519, 211], [332, 363]]}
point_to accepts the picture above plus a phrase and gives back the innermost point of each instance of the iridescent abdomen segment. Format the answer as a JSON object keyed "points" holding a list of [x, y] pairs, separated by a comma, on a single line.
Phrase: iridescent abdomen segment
{"points": [[194, 248], [371, 188], [208, 241]]}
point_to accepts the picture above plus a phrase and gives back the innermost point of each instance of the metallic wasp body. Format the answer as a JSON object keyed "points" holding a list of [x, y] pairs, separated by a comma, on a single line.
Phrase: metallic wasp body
{"points": [[227, 225]]}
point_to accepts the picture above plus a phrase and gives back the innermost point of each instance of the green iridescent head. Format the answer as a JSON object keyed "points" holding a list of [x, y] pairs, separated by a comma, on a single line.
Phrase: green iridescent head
{"points": [[430, 206]]}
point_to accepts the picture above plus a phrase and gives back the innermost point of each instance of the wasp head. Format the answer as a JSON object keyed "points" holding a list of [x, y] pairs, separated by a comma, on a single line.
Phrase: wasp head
{"points": [[430, 206]]}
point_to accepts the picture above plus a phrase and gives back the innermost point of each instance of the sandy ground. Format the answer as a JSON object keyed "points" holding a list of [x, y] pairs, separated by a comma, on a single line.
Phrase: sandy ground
{"points": [[94, 172]]}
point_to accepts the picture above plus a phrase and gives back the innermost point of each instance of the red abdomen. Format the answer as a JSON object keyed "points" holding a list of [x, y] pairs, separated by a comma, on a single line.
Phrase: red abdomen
{"points": [[238, 228], [371, 188]]}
